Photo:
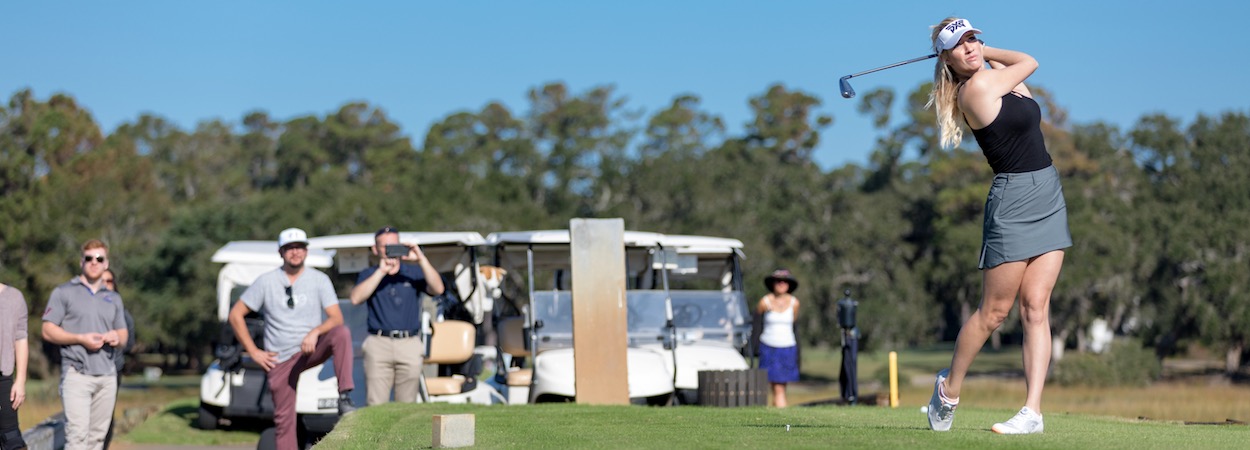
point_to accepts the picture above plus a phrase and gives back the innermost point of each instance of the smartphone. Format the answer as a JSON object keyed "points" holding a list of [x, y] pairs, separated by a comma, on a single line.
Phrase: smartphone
{"points": [[396, 250]]}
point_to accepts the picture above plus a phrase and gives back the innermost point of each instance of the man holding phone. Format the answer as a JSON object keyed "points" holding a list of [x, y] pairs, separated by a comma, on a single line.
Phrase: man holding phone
{"points": [[393, 350]]}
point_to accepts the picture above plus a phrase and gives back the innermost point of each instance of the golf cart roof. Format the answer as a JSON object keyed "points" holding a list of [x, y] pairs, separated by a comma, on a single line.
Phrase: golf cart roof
{"points": [[424, 239], [551, 247], [538, 237], [685, 243], [266, 253]]}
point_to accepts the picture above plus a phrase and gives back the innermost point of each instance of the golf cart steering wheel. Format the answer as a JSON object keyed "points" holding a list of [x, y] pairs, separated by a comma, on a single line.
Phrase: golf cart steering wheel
{"points": [[687, 315]]}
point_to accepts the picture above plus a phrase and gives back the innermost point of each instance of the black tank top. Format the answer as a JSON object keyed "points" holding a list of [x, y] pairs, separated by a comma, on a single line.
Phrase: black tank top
{"points": [[1013, 142]]}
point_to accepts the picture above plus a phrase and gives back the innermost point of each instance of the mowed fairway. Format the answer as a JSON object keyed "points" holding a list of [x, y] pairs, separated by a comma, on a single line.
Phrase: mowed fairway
{"points": [[407, 426]]}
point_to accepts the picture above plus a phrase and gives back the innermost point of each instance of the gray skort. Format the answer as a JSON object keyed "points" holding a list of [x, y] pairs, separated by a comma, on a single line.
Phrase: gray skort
{"points": [[1025, 216]]}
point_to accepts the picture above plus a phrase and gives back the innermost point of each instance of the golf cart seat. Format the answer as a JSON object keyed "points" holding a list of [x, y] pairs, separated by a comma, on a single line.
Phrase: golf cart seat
{"points": [[451, 344], [511, 332]]}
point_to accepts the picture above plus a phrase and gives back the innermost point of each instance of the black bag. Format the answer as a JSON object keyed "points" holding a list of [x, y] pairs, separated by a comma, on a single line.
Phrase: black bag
{"points": [[229, 351], [12, 440]]}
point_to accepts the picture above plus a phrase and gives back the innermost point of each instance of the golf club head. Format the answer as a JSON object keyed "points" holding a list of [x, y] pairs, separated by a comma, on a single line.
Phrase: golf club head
{"points": [[844, 84]]}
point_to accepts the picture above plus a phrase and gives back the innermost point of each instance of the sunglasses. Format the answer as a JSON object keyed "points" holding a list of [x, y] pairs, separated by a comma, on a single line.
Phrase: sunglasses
{"points": [[97, 258], [290, 301]]}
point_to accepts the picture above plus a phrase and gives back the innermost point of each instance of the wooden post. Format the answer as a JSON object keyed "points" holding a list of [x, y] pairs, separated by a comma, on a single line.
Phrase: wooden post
{"points": [[599, 314]]}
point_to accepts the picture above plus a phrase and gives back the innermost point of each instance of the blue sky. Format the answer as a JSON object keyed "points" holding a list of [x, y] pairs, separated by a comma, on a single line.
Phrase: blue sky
{"points": [[420, 61]]}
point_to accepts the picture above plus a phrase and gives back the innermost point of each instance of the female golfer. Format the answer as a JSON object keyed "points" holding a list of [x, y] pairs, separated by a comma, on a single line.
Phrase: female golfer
{"points": [[1026, 220], [778, 347]]}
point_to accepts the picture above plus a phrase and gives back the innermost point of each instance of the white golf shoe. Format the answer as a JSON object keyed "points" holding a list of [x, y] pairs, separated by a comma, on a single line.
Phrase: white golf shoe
{"points": [[941, 413], [1025, 422]]}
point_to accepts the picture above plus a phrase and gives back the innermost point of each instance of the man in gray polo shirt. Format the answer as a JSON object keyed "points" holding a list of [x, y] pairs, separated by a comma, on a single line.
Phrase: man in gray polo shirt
{"points": [[292, 298], [86, 319]]}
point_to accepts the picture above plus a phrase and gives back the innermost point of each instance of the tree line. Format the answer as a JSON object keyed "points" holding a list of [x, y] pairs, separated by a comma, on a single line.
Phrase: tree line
{"points": [[1157, 212]]}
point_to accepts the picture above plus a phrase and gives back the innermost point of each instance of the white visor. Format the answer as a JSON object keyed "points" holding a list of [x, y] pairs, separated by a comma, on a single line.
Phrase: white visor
{"points": [[952, 33]]}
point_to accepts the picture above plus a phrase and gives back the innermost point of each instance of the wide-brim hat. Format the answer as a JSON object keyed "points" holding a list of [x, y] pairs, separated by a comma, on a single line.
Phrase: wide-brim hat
{"points": [[781, 275]]}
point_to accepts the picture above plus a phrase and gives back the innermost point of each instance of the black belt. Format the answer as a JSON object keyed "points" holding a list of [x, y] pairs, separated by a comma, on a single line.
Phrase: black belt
{"points": [[395, 333]]}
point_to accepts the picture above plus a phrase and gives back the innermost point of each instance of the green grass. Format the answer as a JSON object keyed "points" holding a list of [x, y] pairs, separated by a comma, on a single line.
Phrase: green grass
{"points": [[406, 426], [1077, 417]]}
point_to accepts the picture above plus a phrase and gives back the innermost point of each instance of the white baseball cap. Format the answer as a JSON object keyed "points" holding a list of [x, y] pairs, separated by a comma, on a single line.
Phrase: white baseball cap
{"points": [[291, 236], [953, 32]]}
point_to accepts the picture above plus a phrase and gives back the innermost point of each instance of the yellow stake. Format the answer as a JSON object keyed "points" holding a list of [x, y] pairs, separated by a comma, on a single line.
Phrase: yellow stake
{"points": [[894, 379]]}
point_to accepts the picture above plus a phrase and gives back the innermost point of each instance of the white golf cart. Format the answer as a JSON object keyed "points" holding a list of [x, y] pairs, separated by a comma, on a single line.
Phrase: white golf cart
{"points": [[234, 387], [543, 331], [691, 307]]}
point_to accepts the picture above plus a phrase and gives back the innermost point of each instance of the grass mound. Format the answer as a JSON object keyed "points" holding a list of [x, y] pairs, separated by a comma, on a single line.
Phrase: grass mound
{"points": [[409, 426]]}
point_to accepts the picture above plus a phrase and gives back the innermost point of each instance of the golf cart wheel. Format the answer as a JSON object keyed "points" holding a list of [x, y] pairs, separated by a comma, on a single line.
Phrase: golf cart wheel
{"points": [[208, 417]]}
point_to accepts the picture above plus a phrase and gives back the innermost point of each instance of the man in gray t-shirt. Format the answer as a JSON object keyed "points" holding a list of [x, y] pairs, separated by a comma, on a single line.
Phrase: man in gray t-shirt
{"points": [[85, 318], [292, 299]]}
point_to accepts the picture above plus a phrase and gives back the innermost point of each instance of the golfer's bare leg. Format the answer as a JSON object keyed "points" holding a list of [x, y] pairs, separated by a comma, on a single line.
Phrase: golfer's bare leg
{"points": [[1039, 281], [1002, 283], [779, 395]]}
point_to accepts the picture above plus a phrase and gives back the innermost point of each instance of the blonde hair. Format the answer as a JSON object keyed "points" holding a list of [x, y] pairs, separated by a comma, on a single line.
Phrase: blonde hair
{"points": [[945, 95], [94, 244]]}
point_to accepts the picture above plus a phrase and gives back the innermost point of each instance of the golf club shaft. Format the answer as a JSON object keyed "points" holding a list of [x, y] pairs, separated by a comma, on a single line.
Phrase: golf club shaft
{"points": [[922, 58]]}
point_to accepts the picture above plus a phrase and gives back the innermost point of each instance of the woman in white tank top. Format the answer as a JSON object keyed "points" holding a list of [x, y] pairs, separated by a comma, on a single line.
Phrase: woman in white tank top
{"points": [[778, 345]]}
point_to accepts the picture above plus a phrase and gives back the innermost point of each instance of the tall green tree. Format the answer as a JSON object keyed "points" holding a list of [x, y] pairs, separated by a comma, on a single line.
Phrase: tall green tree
{"points": [[582, 139]]}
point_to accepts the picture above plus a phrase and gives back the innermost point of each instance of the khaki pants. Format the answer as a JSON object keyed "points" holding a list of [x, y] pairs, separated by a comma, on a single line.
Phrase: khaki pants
{"points": [[88, 401], [392, 362]]}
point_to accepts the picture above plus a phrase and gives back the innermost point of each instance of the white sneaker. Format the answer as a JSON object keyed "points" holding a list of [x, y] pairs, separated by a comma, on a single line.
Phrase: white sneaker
{"points": [[941, 413], [1025, 422]]}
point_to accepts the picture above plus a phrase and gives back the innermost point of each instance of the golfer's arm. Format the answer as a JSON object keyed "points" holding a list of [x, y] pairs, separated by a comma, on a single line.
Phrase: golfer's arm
{"points": [[1011, 69]]}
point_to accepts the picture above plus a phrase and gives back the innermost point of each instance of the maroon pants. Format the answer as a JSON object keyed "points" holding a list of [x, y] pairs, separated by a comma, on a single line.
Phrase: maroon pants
{"points": [[284, 377]]}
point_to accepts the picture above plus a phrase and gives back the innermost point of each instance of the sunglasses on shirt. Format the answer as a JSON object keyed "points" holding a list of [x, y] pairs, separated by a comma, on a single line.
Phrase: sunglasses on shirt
{"points": [[290, 301]]}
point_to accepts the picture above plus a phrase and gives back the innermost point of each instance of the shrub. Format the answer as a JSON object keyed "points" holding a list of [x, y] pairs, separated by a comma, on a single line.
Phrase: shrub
{"points": [[1126, 363]]}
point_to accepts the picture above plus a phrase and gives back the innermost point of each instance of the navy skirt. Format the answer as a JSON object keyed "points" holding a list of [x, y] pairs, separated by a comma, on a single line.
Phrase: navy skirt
{"points": [[782, 363], [1025, 216]]}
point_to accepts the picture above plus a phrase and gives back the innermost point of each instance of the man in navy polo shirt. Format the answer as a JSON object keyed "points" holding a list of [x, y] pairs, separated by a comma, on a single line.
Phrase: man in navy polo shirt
{"points": [[86, 319], [393, 350]]}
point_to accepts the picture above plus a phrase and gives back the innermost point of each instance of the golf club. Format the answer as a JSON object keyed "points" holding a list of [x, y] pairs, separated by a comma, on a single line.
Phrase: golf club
{"points": [[845, 85]]}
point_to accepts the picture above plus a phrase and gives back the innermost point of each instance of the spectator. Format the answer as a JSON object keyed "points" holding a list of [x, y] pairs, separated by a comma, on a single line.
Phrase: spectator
{"points": [[110, 282], [14, 353], [778, 345], [88, 321], [393, 348], [292, 299]]}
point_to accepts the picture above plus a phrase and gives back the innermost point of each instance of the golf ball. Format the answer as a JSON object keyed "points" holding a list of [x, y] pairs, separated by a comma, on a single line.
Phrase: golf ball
{"points": [[924, 409]]}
